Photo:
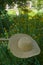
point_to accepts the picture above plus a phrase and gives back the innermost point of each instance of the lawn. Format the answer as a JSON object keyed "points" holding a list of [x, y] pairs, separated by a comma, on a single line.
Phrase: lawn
{"points": [[9, 25], [11, 12]]}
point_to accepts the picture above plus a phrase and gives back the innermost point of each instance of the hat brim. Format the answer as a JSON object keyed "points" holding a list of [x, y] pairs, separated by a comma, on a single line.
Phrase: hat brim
{"points": [[13, 46]]}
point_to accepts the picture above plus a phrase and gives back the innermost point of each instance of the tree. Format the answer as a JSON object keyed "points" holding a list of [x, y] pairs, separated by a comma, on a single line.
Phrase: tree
{"points": [[4, 2]]}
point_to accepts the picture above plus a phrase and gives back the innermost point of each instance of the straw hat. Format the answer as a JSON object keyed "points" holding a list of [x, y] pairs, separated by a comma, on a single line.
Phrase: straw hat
{"points": [[23, 46]]}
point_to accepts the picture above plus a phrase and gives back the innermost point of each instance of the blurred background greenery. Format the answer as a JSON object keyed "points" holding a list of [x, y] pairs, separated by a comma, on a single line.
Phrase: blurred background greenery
{"points": [[20, 16]]}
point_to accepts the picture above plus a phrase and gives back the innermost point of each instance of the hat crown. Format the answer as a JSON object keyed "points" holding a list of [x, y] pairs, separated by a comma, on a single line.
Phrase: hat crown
{"points": [[25, 44]]}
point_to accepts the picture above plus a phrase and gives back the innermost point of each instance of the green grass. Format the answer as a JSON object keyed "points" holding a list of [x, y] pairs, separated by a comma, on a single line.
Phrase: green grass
{"points": [[10, 25], [11, 12]]}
